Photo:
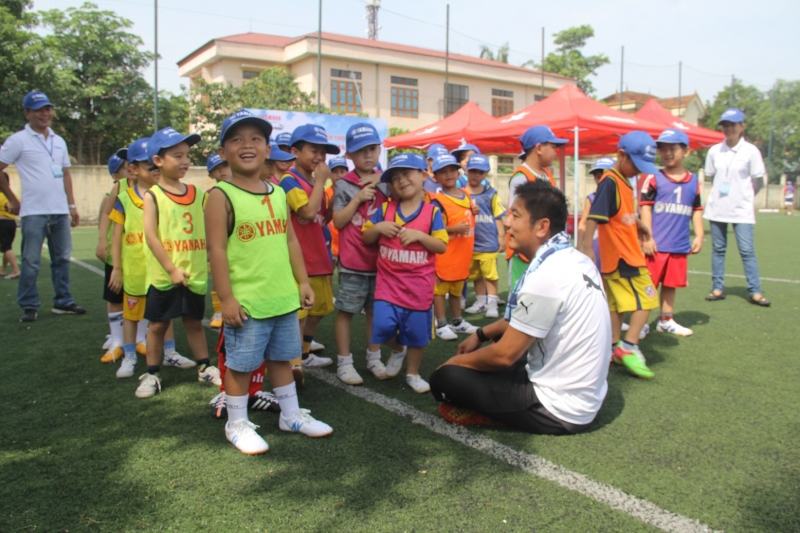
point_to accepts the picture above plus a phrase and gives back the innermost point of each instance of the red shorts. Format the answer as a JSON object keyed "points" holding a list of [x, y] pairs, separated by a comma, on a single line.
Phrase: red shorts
{"points": [[668, 269]]}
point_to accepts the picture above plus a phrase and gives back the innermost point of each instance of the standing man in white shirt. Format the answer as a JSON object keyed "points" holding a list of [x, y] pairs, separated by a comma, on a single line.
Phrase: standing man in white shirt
{"points": [[547, 371], [738, 172], [48, 206]]}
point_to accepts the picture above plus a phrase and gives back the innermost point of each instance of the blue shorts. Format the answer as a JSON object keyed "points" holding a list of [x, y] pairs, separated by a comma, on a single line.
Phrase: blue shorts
{"points": [[270, 339], [412, 328]]}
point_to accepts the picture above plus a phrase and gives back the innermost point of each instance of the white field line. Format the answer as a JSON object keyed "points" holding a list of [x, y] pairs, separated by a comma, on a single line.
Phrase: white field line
{"points": [[643, 510], [740, 276]]}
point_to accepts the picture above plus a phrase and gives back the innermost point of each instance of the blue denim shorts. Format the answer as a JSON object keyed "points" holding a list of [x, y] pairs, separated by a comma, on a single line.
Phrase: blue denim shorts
{"points": [[270, 339], [412, 328]]}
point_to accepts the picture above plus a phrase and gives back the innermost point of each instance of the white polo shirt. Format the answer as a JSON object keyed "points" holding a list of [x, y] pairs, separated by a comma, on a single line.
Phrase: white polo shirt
{"points": [[40, 163], [733, 169], [563, 305]]}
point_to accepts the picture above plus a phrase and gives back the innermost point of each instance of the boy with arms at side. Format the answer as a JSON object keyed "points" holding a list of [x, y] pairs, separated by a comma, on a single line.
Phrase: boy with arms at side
{"points": [[409, 232], [489, 233], [623, 265], [452, 267], [177, 264], [670, 199], [258, 270], [358, 196]]}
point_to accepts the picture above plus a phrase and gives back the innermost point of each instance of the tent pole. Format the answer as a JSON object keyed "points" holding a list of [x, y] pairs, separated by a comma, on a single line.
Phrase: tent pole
{"points": [[576, 188]]}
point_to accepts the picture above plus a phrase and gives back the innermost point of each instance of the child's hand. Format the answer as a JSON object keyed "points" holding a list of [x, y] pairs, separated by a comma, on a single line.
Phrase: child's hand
{"points": [[462, 228], [322, 172], [233, 314], [306, 295], [407, 236], [115, 280], [475, 209], [388, 229], [101, 250], [369, 179], [649, 246], [179, 277], [366, 194], [697, 244]]}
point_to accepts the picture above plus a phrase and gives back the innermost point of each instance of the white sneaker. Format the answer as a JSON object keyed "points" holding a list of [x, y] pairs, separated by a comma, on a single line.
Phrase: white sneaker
{"points": [[642, 334], [316, 361], [446, 333], [177, 360], [149, 385], [670, 326], [126, 367], [347, 374], [491, 310], [624, 327], [242, 434], [210, 375], [315, 346], [304, 423], [475, 308], [416, 382], [107, 343], [395, 363], [378, 370], [464, 327]]}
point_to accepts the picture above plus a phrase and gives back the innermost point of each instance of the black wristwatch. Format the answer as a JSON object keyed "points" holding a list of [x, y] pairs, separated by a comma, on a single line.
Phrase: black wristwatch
{"points": [[481, 335]]}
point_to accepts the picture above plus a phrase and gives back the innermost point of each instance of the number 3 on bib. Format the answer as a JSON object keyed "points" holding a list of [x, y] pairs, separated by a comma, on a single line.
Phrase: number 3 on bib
{"points": [[188, 228]]}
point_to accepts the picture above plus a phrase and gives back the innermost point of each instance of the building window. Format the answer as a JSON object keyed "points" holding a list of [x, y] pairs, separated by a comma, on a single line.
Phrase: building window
{"points": [[405, 97], [345, 90], [249, 74], [502, 102], [455, 96]]}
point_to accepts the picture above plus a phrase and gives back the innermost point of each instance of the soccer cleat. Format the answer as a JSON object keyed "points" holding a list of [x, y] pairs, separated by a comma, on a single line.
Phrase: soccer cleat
{"points": [[216, 321], [315, 346], [107, 343], [303, 422], [242, 434], [126, 367], [264, 401], [112, 355], [670, 326], [141, 349], [461, 416], [178, 361], [29, 315], [395, 363], [476, 308], [149, 386], [299, 375], [347, 374], [218, 405], [491, 310], [446, 333], [464, 327], [316, 361], [376, 367], [209, 375], [416, 382], [71, 309], [633, 361]]}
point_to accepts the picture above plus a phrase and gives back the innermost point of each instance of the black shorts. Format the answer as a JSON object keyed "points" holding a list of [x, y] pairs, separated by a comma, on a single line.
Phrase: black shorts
{"points": [[8, 229], [109, 295], [507, 396], [163, 306]]}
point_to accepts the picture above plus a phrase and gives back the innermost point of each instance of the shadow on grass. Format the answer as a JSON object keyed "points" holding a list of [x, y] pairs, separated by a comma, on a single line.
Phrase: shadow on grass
{"points": [[772, 504]]}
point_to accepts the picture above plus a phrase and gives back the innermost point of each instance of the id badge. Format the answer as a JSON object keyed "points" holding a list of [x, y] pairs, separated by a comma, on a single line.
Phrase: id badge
{"points": [[725, 188], [58, 172]]}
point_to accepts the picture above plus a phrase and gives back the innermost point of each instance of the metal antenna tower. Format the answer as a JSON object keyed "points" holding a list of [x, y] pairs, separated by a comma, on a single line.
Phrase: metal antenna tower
{"points": [[372, 18]]}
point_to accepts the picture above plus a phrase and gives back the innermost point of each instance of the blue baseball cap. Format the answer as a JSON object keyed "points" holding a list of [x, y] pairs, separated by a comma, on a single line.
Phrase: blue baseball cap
{"points": [[604, 163], [359, 136], [284, 138], [336, 162], [35, 100], [115, 163], [464, 148], [536, 135], [137, 150], [122, 153], [244, 116], [673, 137], [406, 160], [442, 161], [213, 161], [167, 138], [436, 149], [639, 146], [478, 162], [276, 154], [313, 134], [733, 115]]}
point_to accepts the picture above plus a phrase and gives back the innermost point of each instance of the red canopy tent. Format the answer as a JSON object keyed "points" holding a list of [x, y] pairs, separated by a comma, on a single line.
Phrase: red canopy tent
{"points": [[698, 136], [451, 131]]}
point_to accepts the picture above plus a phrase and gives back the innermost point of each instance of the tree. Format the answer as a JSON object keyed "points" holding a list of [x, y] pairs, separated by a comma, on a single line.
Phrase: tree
{"points": [[778, 126], [568, 60], [501, 55]]}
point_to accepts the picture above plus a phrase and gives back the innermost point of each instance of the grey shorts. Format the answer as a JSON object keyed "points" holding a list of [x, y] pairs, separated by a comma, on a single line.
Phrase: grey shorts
{"points": [[356, 292]]}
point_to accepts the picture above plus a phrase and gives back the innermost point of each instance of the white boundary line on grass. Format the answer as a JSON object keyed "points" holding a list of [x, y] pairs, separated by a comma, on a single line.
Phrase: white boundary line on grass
{"points": [[740, 276], [638, 508]]}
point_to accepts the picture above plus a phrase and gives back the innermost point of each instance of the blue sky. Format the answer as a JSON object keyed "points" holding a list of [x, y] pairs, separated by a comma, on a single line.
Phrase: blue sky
{"points": [[713, 39]]}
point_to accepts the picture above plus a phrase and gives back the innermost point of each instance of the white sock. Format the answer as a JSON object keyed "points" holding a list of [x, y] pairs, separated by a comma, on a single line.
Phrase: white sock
{"points": [[287, 399], [342, 360], [115, 326], [237, 407], [141, 331], [372, 356], [482, 299], [491, 300]]}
